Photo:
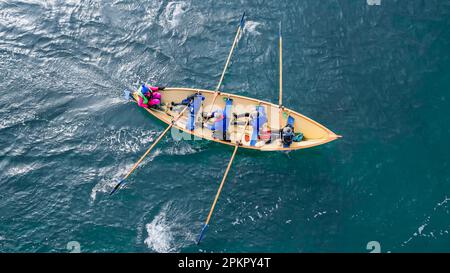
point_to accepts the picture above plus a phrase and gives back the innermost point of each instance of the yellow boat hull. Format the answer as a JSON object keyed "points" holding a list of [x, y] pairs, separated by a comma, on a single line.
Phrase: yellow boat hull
{"points": [[314, 133]]}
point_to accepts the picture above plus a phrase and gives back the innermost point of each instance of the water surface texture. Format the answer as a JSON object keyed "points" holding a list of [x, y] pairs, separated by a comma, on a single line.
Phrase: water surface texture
{"points": [[377, 74]]}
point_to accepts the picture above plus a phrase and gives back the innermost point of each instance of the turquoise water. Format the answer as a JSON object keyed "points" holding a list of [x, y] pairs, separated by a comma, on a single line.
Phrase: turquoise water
{"points": [[378, 75]]}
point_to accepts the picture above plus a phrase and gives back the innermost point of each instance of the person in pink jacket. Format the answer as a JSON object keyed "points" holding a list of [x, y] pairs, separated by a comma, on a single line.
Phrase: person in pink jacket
{"points": [[149, 96]]}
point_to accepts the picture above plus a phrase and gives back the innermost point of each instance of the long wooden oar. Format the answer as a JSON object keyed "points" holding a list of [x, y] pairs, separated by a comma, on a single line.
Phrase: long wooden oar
{"points": [[280, 45], [280, 96], [205, 226], [236, 38], [148, 151]]}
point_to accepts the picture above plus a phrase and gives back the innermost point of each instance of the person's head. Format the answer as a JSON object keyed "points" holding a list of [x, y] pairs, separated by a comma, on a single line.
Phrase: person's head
{"points": [[287, 134], [287, 130], [145, 89]]}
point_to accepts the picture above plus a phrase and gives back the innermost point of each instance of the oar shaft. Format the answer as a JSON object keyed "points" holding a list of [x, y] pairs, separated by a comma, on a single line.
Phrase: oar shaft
{"points": [[236, 39], [213, 101], [280, 45], [205, 226], [229, 57], [280, 95], [154, 143], [221, 185], [148, 151]]}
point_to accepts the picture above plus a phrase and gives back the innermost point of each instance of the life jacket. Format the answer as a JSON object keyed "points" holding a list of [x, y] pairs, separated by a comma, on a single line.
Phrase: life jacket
{"points": [[142, 90]]}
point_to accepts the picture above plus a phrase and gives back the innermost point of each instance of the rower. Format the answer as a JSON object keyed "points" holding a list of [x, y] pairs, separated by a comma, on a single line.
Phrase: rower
{"points": [[257, 120], [185, 101], [193, 102], [212, 119], [148, 96], [218, 121], [194, 106], [288, 135]]}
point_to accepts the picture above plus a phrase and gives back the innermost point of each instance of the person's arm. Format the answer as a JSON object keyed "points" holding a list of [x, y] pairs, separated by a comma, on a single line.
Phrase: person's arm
{"points": [[156, 88], [141, 103]]}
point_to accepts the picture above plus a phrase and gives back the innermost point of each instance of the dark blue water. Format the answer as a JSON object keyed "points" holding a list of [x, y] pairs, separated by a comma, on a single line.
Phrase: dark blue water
{"points": [[378, 75]]}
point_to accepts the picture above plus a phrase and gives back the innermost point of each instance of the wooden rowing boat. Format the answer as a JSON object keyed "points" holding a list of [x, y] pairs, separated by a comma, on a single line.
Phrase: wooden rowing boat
{"points": [[314, 133]]}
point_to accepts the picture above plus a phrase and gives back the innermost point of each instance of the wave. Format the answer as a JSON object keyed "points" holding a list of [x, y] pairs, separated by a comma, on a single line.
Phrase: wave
{"points": [[22, 169], [15, 120]]}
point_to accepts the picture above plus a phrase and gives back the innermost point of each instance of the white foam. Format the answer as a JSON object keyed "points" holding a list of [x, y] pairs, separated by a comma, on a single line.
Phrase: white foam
{"points": [[159, 237], [107, 184], [14, 120], [168, 231], [250, 27], [420, 229], [125, 140], [431, 234], [319, 214], [173, 13], [182, 149], [22, 169]]}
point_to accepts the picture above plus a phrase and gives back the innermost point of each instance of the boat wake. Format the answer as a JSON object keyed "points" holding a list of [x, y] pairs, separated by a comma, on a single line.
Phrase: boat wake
{"points": [[168, 231]]}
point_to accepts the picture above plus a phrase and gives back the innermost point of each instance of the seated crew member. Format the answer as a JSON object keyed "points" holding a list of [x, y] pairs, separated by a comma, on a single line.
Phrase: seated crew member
{"points": [[211, 120], [286, 135], [149, 96], [253, 116], [187, 101]]}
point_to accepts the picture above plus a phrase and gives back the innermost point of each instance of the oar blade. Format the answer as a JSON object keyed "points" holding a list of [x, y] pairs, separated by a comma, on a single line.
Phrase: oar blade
{"points": [[242, 22], [117, 186], [202, 233]]}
